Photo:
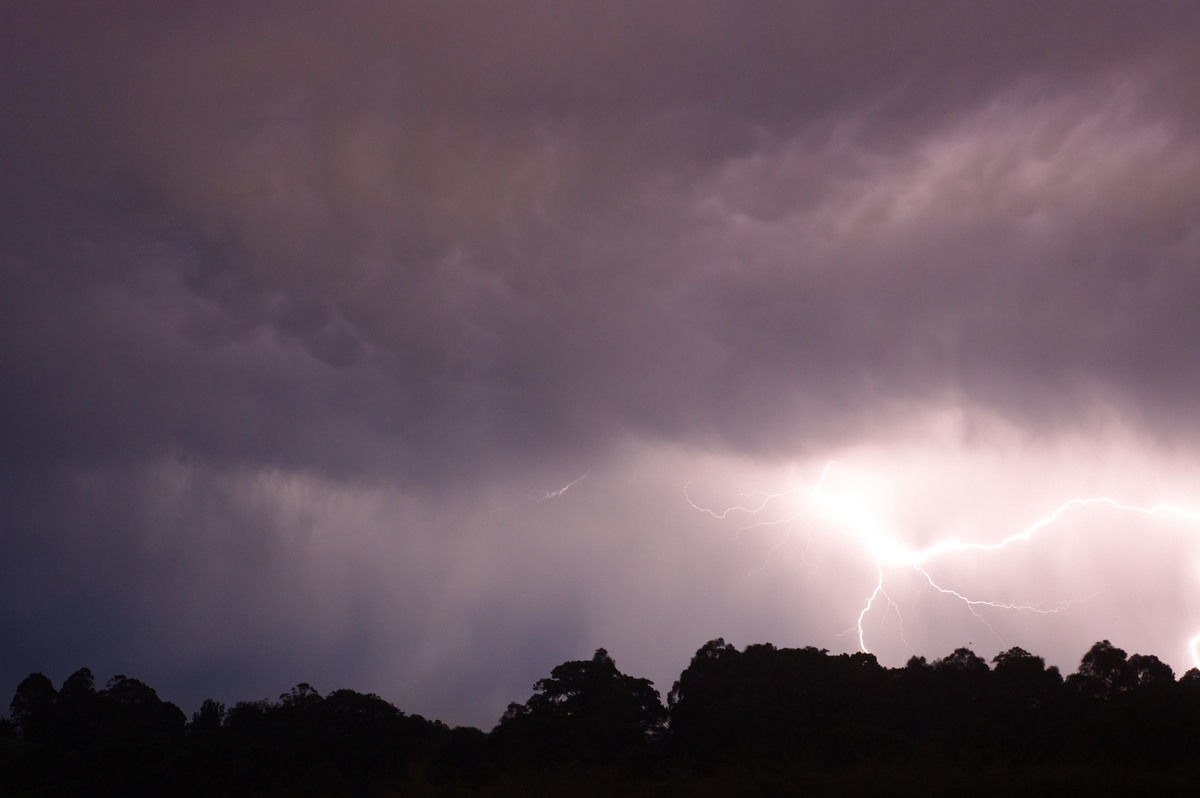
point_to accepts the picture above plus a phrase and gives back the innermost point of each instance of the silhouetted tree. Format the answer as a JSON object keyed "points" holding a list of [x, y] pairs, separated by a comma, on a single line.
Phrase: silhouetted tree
{"points": [[135, 712], [1023, 681], [208, 719], [300, 699], [33, 708], [703, 700], [1149, 671], [962, 661], [1026, 704], [80, 709], [79, 683], [751, 721], [368, 737], [586, 708], [1103, 672], [770, 703]]}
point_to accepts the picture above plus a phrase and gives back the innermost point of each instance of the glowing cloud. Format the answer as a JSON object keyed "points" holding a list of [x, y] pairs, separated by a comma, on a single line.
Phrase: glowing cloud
{"points": [[850, 510]]}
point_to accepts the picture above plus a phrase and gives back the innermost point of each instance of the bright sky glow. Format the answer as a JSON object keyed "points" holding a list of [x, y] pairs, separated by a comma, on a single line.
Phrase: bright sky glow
{"points": [[851, 506]]}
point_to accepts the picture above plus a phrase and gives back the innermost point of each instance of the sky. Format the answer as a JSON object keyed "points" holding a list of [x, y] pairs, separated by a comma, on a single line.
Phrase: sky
{"points": [[418, 347]]}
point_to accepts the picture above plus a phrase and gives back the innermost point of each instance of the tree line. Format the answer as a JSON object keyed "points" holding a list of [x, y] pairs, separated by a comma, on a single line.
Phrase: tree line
{"points": [[762, 720]]}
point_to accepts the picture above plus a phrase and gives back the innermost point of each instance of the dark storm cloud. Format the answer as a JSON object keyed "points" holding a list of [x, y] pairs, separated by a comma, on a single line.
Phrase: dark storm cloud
{"points": [[438, 246], [512, 209]]}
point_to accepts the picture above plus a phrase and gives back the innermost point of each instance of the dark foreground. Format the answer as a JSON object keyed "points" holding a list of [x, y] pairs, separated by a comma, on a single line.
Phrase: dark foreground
{"points": [[763, 721]]}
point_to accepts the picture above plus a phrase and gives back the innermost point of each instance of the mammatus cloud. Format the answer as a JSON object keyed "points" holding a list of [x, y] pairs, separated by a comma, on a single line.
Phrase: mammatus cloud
{"points": [[302, 302]]}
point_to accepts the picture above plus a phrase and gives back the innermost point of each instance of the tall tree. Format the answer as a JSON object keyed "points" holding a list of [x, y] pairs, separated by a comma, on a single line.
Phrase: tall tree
{"points": [[33, 708], [585, 709], [1103, 672]]}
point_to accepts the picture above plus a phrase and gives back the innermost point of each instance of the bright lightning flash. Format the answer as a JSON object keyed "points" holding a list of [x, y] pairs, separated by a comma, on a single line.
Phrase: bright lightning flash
{"points": [[887, 550]]}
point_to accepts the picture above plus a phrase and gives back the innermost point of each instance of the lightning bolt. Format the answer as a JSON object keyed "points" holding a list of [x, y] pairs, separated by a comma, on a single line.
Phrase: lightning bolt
{"points": [[888, 551], [870, 603], [546, 495], [761, 500]]}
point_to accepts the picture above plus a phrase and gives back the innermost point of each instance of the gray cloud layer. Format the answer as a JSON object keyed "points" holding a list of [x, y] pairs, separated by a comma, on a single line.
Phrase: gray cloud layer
{"points": [[264, 262]]}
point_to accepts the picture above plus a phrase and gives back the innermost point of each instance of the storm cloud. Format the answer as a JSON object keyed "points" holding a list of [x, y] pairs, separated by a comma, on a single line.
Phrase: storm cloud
{"points": [[310, 310]]}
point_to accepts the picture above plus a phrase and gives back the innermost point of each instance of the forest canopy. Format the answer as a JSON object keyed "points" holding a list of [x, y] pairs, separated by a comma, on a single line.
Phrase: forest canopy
{"points": [[789, 713]]}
